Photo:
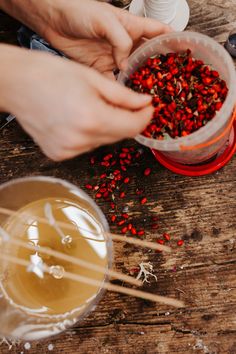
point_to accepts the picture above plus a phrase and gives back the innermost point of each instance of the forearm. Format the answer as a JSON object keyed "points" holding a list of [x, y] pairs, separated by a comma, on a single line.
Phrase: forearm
{"points": [[36, 14]]}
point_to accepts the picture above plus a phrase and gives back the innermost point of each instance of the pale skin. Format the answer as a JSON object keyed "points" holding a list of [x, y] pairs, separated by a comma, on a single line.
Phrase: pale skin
{"points": [[72, 106]]}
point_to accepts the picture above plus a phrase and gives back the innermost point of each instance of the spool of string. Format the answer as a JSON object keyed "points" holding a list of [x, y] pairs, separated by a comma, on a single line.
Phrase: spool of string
{"points": [[161, 10]]}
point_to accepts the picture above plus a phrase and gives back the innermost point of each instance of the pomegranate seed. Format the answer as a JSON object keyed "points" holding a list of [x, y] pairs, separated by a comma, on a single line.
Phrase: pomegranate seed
{"points": [[88, 186], [180, 243], [122, 194], [125, 216], [130, 227], [103, 176], [121, 222], [98, 195], [141, 232], [133, 231]]}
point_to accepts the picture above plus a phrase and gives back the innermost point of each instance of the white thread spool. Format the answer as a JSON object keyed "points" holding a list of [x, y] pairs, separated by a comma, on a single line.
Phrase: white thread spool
{"points": [[161, 10]]}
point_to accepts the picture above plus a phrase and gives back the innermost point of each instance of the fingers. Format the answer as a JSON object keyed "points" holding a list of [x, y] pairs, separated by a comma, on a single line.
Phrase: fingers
{"points": [[150, 28], [118, 37], [126, 30], [139, 27], [121, 96], [122, 123]]}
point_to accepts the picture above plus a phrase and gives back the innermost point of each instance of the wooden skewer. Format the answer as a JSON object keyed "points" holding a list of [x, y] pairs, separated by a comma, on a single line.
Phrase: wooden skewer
{"points": [[76, 261], [115, 237], [97, 283]]}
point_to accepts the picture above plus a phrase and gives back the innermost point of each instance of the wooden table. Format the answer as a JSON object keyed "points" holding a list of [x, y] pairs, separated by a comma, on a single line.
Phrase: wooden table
{"points": [[202, 211]]}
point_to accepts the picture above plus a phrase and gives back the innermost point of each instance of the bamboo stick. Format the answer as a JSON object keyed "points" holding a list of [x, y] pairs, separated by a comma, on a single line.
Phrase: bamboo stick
{"points": [[76, 261], [105, 285], [115, 237]]}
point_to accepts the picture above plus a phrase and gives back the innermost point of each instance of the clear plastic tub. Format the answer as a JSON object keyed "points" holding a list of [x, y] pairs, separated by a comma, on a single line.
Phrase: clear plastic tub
{"points": [[203, 144]]}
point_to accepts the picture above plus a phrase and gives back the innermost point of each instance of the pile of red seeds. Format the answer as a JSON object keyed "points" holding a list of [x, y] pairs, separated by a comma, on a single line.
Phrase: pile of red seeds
{"points": [[186, 93], [113, 185]]}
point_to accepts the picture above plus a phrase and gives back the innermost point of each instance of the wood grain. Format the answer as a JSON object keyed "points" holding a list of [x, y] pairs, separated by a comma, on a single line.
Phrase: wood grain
{"points": [[202, 211]]}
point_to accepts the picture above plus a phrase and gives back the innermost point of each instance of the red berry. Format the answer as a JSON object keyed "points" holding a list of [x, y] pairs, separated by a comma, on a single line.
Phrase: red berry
{"points": [[126, 180], [161, 242], [124, 230], [113, 218], [121, 222], [147, 171], [143, 200], [166, 236]]}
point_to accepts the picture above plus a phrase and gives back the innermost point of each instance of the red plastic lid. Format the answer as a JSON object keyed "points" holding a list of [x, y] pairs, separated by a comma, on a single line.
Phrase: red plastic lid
{"points": [[204, 169]]}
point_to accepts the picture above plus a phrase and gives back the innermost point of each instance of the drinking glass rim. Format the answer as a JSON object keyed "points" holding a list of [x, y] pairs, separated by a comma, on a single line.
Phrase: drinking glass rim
{"points": [[109, 245]]}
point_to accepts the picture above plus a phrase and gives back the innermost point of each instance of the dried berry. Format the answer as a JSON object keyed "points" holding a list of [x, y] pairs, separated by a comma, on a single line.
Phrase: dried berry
{"points": [[186, 94]]}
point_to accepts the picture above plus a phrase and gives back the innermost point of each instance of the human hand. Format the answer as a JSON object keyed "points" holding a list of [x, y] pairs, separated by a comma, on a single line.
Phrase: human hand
{"points": [[111, 33], [68, 108], [90, 32]]}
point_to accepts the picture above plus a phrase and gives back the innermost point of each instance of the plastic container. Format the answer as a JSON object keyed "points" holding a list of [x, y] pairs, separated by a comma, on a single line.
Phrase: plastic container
{"points": [[203, 144]]}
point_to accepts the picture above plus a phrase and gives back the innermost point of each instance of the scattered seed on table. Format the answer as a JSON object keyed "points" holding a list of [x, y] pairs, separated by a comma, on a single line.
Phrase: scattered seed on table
{"points": [[143, 200]]}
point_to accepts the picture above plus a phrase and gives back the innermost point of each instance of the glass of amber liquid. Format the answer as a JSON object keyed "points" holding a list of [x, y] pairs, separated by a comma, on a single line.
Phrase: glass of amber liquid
{"points": [[35, 304]]}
